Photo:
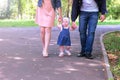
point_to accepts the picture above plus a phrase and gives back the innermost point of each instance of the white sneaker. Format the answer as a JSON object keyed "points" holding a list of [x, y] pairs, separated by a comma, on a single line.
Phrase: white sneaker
{"points": [[68, 52], [61, 54]]}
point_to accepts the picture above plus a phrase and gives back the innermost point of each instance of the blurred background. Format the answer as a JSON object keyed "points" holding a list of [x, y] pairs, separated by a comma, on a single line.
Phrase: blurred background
{"points": [[24, 10]]}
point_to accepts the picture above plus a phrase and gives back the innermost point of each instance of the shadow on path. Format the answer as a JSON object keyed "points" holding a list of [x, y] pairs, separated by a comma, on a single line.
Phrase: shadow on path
{"points": [[20, 57]]}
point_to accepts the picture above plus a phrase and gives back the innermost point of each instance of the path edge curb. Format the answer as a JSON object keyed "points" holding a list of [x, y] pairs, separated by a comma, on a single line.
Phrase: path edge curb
{"points": [[105, 58]]}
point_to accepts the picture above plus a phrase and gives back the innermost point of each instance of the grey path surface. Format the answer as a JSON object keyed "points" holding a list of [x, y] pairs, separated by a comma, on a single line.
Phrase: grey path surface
{"points": [[21, 59]]}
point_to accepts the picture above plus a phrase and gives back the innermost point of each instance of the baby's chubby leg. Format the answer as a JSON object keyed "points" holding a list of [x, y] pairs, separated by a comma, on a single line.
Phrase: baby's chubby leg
{"points": [[61, 48], [67, 50]]}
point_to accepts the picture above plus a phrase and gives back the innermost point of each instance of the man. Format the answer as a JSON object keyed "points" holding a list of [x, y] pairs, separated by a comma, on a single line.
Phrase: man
{"points": [[88, 12]]}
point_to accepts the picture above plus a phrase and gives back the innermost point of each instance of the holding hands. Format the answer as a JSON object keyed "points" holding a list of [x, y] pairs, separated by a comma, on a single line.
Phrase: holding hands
{"points": [[60, 19], [74, 26]]}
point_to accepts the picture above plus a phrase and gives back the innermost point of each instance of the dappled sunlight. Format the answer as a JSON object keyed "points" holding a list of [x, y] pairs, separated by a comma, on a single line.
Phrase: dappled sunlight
{"points": [[53, 42], [27, 67], [2, 76], [75, 44], [67, 69], [93, 64], [33, 38], [90, 64], [4, 4], [1, 39], [79, 63], [21, 59], [16, 58]]}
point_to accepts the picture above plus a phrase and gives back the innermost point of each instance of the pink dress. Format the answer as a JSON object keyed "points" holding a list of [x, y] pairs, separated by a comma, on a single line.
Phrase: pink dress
{"points": [[45, 15]]}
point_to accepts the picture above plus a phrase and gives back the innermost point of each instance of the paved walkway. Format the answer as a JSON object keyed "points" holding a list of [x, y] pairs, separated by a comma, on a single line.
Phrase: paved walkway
{"points": [[20, 57]]}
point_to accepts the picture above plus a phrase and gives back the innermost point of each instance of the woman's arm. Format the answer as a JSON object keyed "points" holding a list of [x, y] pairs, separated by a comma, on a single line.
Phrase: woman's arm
{"points": [[58, 6], [60, 14]]}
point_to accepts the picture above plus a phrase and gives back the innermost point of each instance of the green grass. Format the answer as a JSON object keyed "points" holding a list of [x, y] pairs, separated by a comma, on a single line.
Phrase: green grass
{"points": [[109, 22], [17, 23], [29, 23], [112, 45]]}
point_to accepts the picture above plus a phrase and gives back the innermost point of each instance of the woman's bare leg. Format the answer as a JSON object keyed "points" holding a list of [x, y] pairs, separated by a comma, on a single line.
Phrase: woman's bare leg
{"points": [[42, 35], [47, 39]]}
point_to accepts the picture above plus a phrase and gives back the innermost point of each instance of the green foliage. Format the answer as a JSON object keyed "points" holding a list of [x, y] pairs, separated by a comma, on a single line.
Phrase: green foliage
{"points": [[110, 79], [22, 9], [26, 9], [66, 7], [109, 22], [113, 7], [112, 45], [116, 69], [24, 23], [17, 23], [112, 42]]}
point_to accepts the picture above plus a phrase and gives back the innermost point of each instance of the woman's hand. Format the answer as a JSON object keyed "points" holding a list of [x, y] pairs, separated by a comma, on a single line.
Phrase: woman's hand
{"points": [[60, 15], [60, 19]]}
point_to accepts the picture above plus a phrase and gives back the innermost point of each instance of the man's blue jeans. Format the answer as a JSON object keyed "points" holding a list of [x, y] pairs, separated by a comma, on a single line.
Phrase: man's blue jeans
{"points": [[87, 26]]}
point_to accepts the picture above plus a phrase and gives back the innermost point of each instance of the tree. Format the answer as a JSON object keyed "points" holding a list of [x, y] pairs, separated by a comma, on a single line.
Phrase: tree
{"points": [[113, 7], [66, 7], [25, 9], [19, 9]]}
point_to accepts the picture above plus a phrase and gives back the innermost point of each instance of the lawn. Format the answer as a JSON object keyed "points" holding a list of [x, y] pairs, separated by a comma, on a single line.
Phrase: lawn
{"points": [[109, 22], [112, 45], [30, 23], [17, 23]]}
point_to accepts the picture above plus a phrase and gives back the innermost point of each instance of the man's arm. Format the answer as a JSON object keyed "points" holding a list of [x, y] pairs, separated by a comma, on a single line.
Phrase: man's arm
{"points": [[103, 10], [75, 10]]}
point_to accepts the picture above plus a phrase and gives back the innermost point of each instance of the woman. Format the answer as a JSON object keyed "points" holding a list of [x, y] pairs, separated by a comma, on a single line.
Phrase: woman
{"points": [[45, 16]]}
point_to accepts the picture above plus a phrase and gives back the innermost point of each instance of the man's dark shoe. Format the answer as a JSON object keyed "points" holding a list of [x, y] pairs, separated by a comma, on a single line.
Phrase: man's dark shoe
{"points": [[81, 54], [89, 56]]}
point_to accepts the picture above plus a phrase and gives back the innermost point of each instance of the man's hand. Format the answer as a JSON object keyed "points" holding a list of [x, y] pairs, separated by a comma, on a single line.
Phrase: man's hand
{"points": [[102, 18], [74, 26]]}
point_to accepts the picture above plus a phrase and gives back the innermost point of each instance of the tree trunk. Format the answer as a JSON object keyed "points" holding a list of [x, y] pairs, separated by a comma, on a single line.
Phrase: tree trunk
{"points": [[8, 9], [19, 9], [68, 7]]}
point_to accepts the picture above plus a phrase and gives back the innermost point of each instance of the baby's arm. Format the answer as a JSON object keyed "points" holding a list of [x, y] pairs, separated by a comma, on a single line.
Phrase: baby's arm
{"points": [[59, 26]]}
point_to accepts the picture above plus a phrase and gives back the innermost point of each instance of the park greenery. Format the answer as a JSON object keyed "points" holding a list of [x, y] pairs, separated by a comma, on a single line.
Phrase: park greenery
{"points": [[22, 12], [112, 45], [25, 9]]}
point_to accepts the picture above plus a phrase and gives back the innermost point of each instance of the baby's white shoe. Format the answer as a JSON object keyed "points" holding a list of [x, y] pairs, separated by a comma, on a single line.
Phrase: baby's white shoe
{"points": [[68, 52], [61, 54]]}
